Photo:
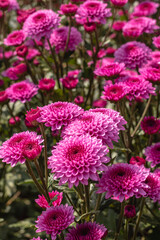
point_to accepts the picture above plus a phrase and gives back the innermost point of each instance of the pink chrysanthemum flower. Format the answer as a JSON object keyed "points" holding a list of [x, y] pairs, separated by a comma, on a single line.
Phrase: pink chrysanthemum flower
{"points": [[114, 115], [153, 190], [151, 74], [138, 88], [152, 154], [93, 11], [118, 25], [22, 91], [55, 219], [110, 70], [31, 149], [96, 124], [119, 3], [129, 211], [22, 51], [24, 14], [13, 121], [71, 80], [59, 36], [15, 38], [89, 27], [137, 160], [146, 8], [41, 24], [14, 73], [4, 4], [11, 150], [3, 96], [156, 42], [150, 125], [46, 84], [115, 92], [87, 231], [157, 171], [99, 103], [79, 100], [58, 114], [32, 116], [13, 5], [132, 30], [68, 9], [123, 180], [42, 202], [77, 159], [133, 54]]}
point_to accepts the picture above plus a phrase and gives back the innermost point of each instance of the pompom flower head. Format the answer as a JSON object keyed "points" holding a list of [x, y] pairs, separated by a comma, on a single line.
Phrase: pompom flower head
{"points": [[41, 24], [42, 202], [59, 36], [153, 190], [137, 160], [87, 231], [55, 219], [129, 211], [15, 38], [77, 159], [22, 91], [119, 3], [133, 54], [11, 150], [123, 180], [146, 8], [58, 114], [110, 70], [151, 74], [46, 84], [156, 42], [152, 154], [150, 125], [92, 11]]}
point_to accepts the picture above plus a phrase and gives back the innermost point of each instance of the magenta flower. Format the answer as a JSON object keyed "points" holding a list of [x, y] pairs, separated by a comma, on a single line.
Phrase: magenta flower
{"points": [[123, 180], [59, 36], [46, 84], [118, 25], [95, 124], [153, 190], [129, 211], [71, 80], [79, 100], [87, 231], [15, 38], [156, 42], [110, 70], [77, 159], [99, 103], [92, 11], [11, 150], [133, 54], [152, 154], [13, 5], [137, 160], [22, 91], [24, 14], [55, 219], [3, 96], [41, 24], [68, 9], [150, 125], [89, 27], [58, 114], [42, 202], [14, 73], [146, 8], [12, 121], [31, 149], [32, 116], [132, 30], [115, 92], [114, 115], [119, 3], [151, 74], [22, 51], [4, 4]]}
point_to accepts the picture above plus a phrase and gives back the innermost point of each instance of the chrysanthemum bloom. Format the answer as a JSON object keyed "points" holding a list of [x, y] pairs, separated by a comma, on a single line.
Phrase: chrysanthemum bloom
{"points": [[119, 3], [13, 121], [4, 4], [22, 91], [157, 171], [22, 51], [132, 30], [42, 202], [114, 92], [15, 38], [55, 219], [89, 27], [110, 70], [41, 24], [156, 42], [59, 36], [155, 63], [99, 103], [87, 231], [24, 14], [129, 211], [146, 8], [69, 9], [152, 154], [31, 149], [151, 74], [96, 124], [32, 116], [46, 84], [150, 125], [3, 96], [58, 114], [133, 54], [77, 159], [137, 160], [153, 190], [79, 100], [138, 88], [93, 11], [114, 115], [69, 81], [11, 150], [123, 180], [32, 53], [118, 25], [14, 73]]}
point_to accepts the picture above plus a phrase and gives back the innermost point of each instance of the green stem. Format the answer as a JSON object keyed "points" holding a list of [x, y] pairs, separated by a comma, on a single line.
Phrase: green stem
{"points": [[86, 191], [120, 221], [68, 37]]}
